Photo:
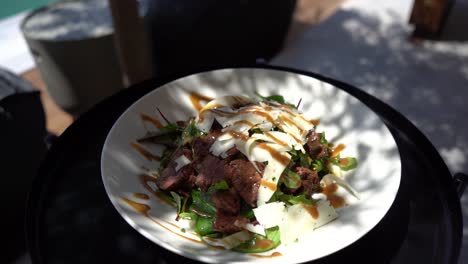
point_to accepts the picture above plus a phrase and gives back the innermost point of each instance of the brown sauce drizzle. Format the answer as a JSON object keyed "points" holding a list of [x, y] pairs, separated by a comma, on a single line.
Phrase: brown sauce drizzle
{"points": [[142, 196], [290, 122], [314, 122], [262, 243], [148, 155], [144, 210], [222, 112], [275, 154], [330, 192], [337, 150], [263, 114], [196, 99], [244, 122], [268, 185], [294, 137], [237, 135], [213, 106], [145, 179], [275, 139], [154, 121], [272, 255], [312, 210]]}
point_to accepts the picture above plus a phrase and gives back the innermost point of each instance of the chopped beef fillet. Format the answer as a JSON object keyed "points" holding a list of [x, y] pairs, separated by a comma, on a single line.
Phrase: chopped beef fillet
{"points": [[171, 180], [310, 180], [201, 145], [315, 149], [245, 179], [231, 153], [210, 171], [229, 223], [227, 201]]}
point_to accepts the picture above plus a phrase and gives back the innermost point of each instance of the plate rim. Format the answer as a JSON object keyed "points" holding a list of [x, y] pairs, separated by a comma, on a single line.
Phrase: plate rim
{"points": [[288, 71]]}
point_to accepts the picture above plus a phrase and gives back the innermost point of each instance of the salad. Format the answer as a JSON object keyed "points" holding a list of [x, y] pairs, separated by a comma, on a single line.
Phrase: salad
{"points": [[251, 174]]}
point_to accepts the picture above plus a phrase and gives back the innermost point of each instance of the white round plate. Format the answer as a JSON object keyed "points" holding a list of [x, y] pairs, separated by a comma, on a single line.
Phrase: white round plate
{"points": [[344, 119]]}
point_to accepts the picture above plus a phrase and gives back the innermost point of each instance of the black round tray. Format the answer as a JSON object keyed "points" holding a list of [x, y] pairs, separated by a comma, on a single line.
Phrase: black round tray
{"points": [[71, 220]]}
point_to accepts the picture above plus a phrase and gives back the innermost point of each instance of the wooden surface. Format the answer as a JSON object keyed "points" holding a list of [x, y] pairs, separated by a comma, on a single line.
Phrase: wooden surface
{"points": [[131, 42], [56, 119]]}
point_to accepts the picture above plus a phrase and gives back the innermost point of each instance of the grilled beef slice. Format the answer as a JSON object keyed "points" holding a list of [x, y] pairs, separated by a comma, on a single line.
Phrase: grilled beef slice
{"points": [[227, 201], [310, 180], [210, 171], [229, 223], [245, 179], [315, 148], [201, 145], [170, 179]]}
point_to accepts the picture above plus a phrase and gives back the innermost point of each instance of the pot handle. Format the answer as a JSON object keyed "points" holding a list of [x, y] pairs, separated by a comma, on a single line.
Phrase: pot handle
{"points": [[461, 180]]}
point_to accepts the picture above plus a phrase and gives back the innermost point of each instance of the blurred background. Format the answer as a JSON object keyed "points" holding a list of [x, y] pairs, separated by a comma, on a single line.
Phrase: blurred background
{"points": [[59, 58]]}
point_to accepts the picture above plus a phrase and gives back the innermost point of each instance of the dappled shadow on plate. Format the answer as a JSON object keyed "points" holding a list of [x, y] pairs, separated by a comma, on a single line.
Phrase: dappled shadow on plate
{"points": [[426, 82]]}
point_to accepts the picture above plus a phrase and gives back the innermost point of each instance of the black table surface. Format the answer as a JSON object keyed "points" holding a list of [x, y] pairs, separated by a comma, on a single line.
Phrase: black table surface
{"points": [[70, 218]]}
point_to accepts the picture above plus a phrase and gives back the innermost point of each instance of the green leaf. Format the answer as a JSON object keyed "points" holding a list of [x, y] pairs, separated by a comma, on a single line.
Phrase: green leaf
{"points": [[248, 213], [165, 158], [292, 180], [221, 185], [348, 163], [190, 132], [323, 140], [178, 202], [255, 131], [317, 165], [300, 199], [276, 196], [261, 243], [276, 98], [188, 216], [201, 203], [304, 159], [204, 226]]}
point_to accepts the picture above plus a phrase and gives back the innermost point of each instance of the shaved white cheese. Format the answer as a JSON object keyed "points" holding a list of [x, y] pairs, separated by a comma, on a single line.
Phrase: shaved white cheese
{"points": [[230, 241], [220, 147], [270, 214], [299, 221], [257, 229], [181, 162], [319, 196], [330, 179], [204, 122], [270, 146], [270, 179]]}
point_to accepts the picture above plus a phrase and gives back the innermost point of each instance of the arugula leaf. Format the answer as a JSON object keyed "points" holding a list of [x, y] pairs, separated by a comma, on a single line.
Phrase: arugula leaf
{"points": [[255, 131], [300, 199], [190, 132], [165, 158], [276, 196], [221, 185], [323, 140], [178, 202], [188, 216], [204, 226], [201, 202], [276, 98], [248, 213], [317, 165], [347, 163], [291, 179], [261, 243], [304, 159]]}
